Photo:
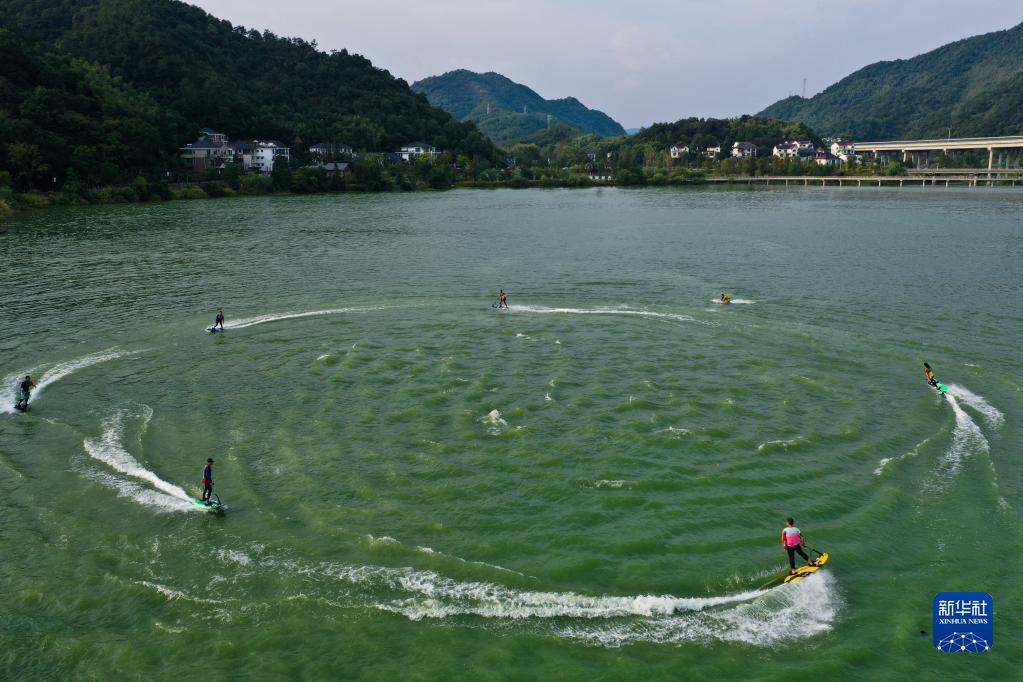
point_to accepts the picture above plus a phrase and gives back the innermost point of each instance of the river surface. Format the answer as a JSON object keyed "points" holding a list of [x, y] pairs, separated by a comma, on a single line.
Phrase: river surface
{"points": [[589, 485]]}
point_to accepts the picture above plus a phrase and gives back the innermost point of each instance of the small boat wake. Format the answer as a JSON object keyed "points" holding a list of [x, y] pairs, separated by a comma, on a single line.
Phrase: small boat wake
{"points": [[276, 317], [129, 477], [761, 617], [539, 309], [968, 438]]}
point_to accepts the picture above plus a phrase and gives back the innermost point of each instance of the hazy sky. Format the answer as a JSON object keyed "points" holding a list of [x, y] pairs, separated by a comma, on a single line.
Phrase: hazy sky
{"points": [[640, 61]]}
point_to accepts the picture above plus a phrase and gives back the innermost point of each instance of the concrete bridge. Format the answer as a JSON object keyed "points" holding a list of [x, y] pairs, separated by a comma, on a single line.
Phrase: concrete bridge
{"points": [[1003, 152]]}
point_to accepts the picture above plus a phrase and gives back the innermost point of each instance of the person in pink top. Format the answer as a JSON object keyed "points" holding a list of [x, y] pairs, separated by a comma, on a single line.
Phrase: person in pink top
{"points": [[792, 541]]}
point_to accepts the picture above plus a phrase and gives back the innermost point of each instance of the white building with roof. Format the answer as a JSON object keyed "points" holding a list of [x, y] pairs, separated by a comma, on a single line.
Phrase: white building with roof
{"points": [[742, 150], [264, 154], [679, 150], [414, 149]]}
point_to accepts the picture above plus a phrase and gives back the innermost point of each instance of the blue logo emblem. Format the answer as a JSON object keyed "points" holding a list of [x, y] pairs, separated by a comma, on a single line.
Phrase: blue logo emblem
{"points": [[963, 622]]}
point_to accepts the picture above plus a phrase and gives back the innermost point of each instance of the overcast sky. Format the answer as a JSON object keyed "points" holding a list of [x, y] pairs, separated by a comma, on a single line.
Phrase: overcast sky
{"points": [[640, 61]]}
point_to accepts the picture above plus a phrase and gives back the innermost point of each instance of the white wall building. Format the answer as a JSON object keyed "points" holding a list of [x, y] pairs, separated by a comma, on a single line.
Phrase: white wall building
{"points": [[263, 155], [414, 149], [742, 150], [678, 151], [793, 149], [712, 152], [845, 150]]}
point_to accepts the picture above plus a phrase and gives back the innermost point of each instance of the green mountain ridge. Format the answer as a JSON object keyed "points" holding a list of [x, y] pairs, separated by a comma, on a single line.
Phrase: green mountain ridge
{"points": [[973, 86], [200, 71], [515, 111]]}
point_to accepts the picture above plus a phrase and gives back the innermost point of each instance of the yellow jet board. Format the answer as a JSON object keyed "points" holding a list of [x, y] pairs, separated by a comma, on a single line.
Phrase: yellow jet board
{"points": [[806, 571]]}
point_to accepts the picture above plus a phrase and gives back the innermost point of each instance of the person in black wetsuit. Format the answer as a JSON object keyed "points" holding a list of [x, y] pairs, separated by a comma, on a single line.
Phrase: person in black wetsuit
{"points": [[219, 322], [24, 393], [502, 300], [207, 480]]}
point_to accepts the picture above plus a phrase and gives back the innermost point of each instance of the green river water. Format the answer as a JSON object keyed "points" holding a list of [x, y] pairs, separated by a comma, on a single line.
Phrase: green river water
{"points": [[590, 485]]}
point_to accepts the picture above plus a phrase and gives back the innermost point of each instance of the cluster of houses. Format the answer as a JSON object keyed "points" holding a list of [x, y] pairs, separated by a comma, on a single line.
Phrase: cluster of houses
{"points": [[841, 151], [213, 150]]}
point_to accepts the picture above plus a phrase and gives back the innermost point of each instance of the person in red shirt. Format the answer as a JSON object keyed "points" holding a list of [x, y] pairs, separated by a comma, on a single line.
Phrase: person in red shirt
{"points": [[930, 375]]}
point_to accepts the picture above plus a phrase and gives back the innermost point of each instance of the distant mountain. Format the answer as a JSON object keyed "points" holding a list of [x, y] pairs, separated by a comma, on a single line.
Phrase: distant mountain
{"points": [[507, 111], [974, 86], [632, 131]]}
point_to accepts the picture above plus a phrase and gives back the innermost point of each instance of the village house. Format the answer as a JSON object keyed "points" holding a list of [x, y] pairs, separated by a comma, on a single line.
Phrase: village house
{"points": [[742, 150], [845, 150], [242, 152], [712, 152], [825, 158], [265, 154], [205, 153], [794, 149], [414, 149], [679, 150], [328, 151]]}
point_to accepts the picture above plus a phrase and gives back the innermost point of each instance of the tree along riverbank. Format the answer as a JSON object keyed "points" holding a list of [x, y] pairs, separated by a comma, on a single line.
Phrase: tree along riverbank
{"points": [[314, 181]]}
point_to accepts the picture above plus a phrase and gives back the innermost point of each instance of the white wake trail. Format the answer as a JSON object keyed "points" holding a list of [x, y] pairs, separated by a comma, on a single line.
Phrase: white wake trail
{"points": [[967, 438], [604, 311], [55, 374], [763, 617], [276, 317], [992, 415], [109, 449]]}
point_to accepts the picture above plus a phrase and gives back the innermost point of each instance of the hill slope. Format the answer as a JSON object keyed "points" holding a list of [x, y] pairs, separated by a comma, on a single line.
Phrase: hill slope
{"points": [[62, 117], [516, 111], [241, 81], [973, 85]]}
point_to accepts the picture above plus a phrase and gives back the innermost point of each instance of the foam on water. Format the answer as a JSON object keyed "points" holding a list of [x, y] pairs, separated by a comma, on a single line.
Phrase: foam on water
{"points": [[388, 540], [109, 449], [55, 374], [171, 594], [762, 617], [992, 415], [740, 301], [885, 461], [967, 438], [495, 423], [275, 317], [604, 311], [776, 445], [788, 612]]}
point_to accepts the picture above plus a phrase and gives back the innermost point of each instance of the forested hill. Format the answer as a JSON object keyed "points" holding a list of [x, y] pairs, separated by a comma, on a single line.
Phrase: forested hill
{"points": [[516, 111], [974, 86], [241, 81], [64, 118]]}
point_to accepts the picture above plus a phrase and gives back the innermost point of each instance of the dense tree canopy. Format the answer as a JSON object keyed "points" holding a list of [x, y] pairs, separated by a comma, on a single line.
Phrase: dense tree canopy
{"points": [[62, 117]]}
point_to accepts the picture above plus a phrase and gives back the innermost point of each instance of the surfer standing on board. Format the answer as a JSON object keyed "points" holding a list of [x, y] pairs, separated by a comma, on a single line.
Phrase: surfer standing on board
{"points": [[219, 321], [24, 393], [502, 300], [930, 375], [207, 480], [792, 541]]}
